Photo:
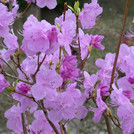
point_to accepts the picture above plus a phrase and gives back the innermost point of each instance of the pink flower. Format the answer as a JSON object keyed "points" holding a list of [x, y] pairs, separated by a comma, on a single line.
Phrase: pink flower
{"points": [[69, 68], [41, 125], [47, 81], [51, 4], [89, 82], [3, 83], [66, 105], [89, 15], [95, 41], [68, 30], [6, 19], [14, 119], [126, 113], [25, 102], [101, 107], [85, 41]]}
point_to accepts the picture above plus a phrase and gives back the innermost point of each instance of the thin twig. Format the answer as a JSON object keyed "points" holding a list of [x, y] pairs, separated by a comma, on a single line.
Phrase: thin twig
{"points": [[19, 66], [38, 68], [117, 125], [16, 78], [108, 124], [37, 13], [61, 127], [118, 47], [23, 123], [24, 11], [50, 122], [65, 7], [8, 66], [83, 63]]}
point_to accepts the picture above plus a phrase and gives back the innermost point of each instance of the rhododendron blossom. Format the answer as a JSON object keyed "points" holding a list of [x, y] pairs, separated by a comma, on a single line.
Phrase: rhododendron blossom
{"points": [[45, 74]]}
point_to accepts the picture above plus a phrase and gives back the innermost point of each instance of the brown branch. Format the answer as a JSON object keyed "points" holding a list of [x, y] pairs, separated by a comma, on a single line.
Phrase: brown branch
{"points": [[38, 12], [117, 125], [83, 63], [38, 68], [24, 10], [23, 123], [119, 43], [18, 65], [108, 124], [51, 123], [65, 7], [8, 66], [61, 127], [16, 78]]}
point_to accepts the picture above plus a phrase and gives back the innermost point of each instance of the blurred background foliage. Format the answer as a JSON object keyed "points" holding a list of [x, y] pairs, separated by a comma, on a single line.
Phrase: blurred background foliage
{"points": [[109, 25], [117, 5]]}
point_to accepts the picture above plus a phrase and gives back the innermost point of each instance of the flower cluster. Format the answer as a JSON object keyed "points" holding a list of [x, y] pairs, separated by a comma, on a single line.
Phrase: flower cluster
{"points": [[49, 85]]}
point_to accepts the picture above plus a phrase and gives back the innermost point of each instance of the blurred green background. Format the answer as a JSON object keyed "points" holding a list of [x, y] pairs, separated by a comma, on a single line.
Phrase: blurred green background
{"points": [[109, 25]]}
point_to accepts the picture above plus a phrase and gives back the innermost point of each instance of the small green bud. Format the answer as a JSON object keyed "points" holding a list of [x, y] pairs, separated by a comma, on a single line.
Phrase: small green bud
{"points": [[76, 6]]}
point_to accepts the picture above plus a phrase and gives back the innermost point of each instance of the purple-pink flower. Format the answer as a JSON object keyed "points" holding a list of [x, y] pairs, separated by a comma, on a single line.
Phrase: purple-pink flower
{"points": [[89, 82], [96, 41], [69, 68], [85, 41], [3, 83], [101, 107], [14, 119], [89, 15], [6, 19], [51, 4], [47, 81]]}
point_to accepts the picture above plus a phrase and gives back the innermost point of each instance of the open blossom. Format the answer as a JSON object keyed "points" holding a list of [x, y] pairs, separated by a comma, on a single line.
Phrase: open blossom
{"points": [[85, 41], [42, 3], [69, 68], [10, 41], [40, 124], [95, 41], [6, 19], [47, 81], [39, 37], [89, 15], [48, 3], [126, 113], [106, 68], [89, 82], [126, 87], [14, 119], [35, 38], [66, 105], [68, 30], [3, 83], [24, 89], [117, 96], [101, 107]]}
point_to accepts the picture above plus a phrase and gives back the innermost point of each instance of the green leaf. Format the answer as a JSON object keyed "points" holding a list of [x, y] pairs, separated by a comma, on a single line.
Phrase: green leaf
{"points": [[15, 84], [68, 131], [76, 6], [70, 8]]}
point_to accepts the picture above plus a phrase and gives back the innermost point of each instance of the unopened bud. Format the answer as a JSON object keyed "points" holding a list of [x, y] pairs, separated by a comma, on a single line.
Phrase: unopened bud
{"points": [[11, 57], [65, 4], [109, 112], [4, 1], [89, 48], [94, 95], [115, 116], [76, 112]]}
